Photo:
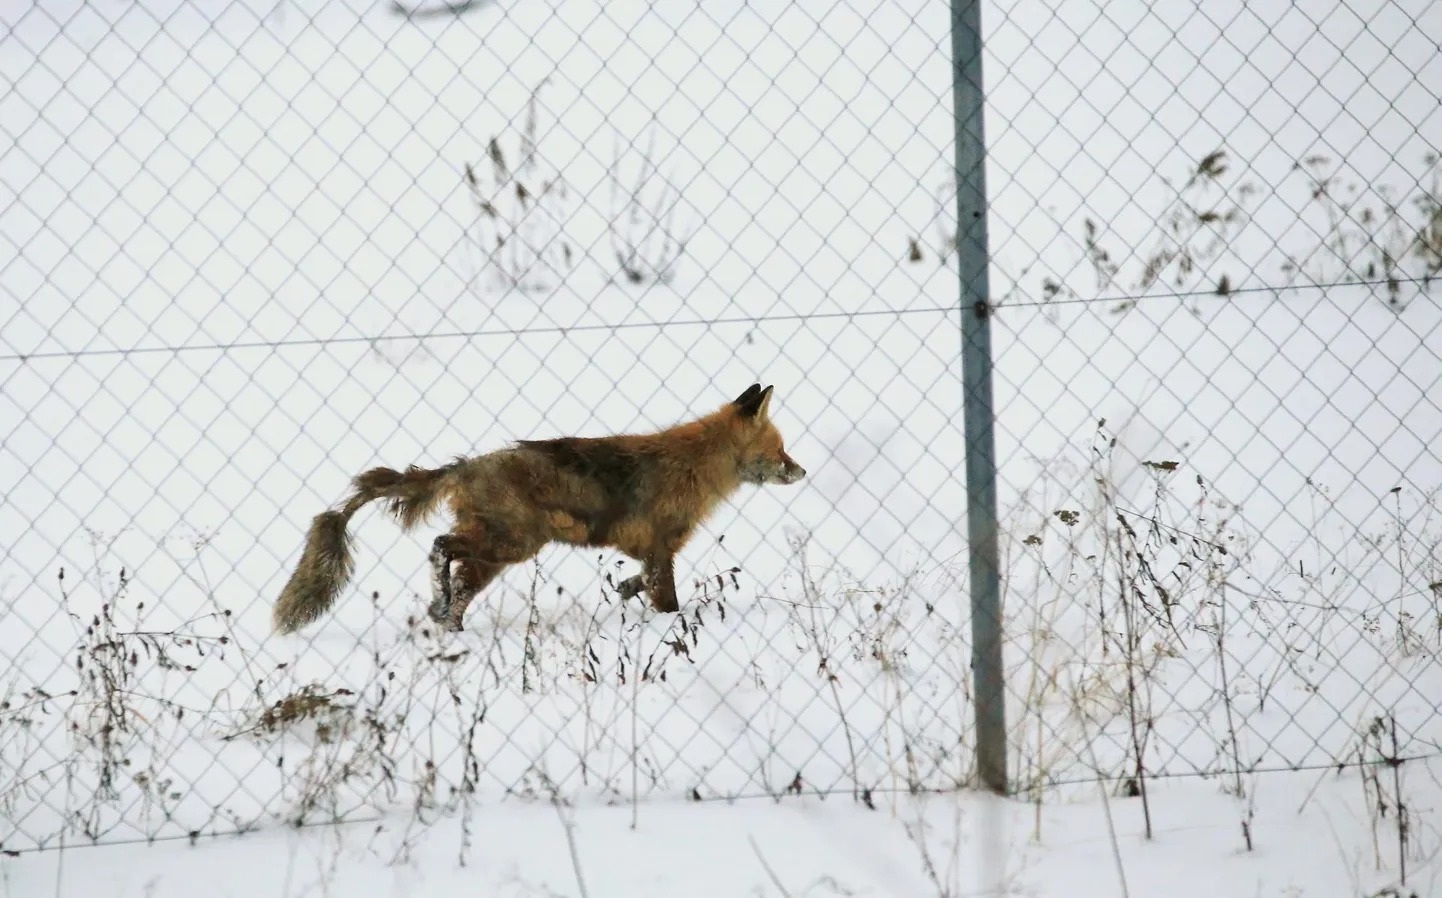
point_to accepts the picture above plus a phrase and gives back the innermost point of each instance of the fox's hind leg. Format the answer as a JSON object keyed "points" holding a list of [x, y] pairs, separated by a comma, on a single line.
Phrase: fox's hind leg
{"points": [[442, 587], [451, 576], [465, 562], [468, 578]]}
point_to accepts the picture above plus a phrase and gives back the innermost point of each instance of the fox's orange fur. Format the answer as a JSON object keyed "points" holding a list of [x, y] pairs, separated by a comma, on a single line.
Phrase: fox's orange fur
{"points": [[642, 494]]}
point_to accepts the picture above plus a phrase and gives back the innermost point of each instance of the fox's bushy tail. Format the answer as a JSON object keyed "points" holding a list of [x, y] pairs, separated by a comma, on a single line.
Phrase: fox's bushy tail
{"points": [[327, 562]]}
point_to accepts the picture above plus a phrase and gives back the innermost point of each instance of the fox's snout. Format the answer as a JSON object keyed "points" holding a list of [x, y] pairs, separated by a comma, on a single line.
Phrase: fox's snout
{"points": [[791, 472], [773, 469]]}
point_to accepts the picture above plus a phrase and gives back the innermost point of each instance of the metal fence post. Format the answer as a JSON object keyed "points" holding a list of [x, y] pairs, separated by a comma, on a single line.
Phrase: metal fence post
{"points": [[972, 255]]}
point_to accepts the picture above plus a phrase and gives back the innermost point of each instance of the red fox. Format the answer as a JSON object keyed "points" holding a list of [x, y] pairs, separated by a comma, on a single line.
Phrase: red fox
{"points": [[642, 494]]}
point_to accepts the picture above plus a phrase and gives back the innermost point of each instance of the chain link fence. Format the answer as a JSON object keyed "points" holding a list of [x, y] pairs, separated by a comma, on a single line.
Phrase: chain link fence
{"points": [[249, 250]]}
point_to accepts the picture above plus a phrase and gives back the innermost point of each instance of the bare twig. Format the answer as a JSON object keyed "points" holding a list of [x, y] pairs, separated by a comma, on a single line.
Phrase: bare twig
{"points": [[821, 643], [1101, 788], [569, 824], [436, 12], [770, 873], [644, 235]]}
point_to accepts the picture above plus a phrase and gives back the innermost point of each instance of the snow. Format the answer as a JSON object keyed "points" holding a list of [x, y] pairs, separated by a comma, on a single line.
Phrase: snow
{"points": [[813, 847], [239, 264]]}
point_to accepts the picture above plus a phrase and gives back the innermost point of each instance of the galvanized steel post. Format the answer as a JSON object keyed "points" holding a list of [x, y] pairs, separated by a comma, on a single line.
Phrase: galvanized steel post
{"points": [[981, 525]]}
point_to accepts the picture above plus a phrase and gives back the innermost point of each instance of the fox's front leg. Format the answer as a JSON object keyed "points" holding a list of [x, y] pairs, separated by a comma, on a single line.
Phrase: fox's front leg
{"points": [[658, 580], [661, 583]]}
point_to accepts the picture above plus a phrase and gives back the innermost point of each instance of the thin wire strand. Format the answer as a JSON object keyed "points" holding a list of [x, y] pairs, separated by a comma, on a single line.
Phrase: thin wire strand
{"points": [[689, 322], [469, 335], [1212, 293]]}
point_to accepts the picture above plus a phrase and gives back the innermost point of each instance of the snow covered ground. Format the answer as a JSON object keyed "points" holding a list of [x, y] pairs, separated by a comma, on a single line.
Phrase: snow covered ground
{"points": [[240, 261], [1311, 836]]}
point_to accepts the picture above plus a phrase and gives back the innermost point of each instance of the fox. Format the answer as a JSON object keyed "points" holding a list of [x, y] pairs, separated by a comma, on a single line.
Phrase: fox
{"points": [[643, 495]]}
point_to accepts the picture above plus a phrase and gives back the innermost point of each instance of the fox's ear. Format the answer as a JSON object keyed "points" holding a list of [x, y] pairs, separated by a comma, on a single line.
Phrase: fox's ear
{"points": [[748, 402], [754, 402], [764, 410]]}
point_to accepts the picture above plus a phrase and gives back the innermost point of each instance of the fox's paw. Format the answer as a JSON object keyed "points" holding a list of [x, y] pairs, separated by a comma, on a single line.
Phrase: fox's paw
{"points": [[631, 586], [439, 613], [446, 617]]}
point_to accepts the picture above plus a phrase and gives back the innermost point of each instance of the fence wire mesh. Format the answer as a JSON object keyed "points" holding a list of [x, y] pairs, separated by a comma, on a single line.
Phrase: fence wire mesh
{"points": [[249, 250]]}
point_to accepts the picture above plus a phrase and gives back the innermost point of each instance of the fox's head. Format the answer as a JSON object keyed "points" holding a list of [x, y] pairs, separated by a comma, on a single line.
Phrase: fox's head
{"points": [[763, 457]]}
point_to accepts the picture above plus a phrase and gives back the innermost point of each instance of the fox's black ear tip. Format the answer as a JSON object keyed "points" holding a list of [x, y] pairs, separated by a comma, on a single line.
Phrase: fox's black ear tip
{"points": [[750, 402], [751, 393]]}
